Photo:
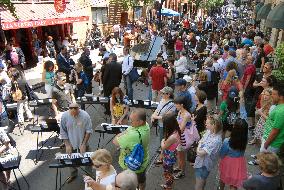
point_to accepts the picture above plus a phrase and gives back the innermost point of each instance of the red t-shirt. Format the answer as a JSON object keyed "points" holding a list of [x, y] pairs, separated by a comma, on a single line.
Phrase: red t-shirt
{"points": [[250, 70], [185, 24], [158, 74], [267, 49], [179, 45]]}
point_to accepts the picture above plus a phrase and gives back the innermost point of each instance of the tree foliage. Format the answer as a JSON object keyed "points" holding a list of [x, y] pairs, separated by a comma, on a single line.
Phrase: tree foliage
{"points": [[127, 4], [279, 53], [9, 5], [207, 4]]}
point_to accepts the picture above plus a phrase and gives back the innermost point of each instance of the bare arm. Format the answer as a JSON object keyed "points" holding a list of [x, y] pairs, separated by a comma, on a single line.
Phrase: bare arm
{"points": [[273, 134], [54, 107], [4, 147], [167, 143]]}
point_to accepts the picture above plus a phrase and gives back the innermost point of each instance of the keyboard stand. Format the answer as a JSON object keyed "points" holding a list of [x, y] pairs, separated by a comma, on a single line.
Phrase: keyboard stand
{"points": [[39, 147], [17, 181]]}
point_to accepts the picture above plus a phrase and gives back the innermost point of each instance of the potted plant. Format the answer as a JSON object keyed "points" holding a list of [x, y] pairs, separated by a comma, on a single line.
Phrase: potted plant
{"points": [[279, 53]]}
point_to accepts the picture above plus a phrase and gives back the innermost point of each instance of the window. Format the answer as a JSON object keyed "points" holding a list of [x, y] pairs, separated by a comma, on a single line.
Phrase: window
{"points": [[100, 15], [137, 12]]}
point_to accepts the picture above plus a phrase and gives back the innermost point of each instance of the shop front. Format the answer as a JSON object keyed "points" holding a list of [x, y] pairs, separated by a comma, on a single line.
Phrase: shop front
{"points": [[40, 20]]}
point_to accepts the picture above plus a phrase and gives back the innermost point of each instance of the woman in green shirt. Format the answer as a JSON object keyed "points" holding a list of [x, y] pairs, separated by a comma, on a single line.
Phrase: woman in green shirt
{"points": [[48, 77]]}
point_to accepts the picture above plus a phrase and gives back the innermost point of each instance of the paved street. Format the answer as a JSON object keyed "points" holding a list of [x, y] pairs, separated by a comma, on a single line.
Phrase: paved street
{"points": [[41, 177]]}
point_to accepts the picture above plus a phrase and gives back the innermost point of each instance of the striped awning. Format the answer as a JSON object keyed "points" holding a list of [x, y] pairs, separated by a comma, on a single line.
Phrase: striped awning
{"points": [[38, 14]]}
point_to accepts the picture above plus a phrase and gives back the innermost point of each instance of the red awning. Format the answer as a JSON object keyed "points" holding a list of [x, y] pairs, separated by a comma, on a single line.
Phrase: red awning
{"points": [[34, 15]]}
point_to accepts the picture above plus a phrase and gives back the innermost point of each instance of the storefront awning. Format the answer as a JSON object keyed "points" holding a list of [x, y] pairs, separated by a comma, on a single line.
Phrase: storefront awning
{"points": [[258, 6], [264, 11], [275, 18], [34, 15]]}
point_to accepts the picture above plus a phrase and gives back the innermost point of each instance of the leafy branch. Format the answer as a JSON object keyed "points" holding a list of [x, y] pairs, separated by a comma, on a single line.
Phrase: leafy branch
{"points": [[9, 5]]}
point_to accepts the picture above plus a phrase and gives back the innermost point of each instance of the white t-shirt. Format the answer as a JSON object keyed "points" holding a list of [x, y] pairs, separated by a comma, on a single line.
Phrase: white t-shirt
{"points": [[104, 181]]}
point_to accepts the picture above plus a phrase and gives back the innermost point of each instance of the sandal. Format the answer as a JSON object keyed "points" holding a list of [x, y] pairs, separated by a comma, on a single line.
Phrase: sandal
{"points": [[253, 163], [176, 170], [165, 186], [252, 142], [179, 175], [158, 162]]}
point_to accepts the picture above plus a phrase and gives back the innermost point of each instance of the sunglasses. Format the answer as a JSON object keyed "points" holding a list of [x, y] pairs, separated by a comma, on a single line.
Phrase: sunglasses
{"points": [[97, 165], [71, 108]]}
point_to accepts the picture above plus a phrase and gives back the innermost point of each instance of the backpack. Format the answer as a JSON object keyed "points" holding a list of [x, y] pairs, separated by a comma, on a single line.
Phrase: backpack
{"points": [[135, 159], [14, 58], [215, 76]]}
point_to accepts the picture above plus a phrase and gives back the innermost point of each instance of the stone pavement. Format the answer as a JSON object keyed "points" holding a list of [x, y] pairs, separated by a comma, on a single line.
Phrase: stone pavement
{"points": [[41, 177]]}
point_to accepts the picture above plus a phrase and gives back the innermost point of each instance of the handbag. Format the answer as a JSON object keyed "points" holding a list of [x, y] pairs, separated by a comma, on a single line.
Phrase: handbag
{"points": [[17, 95], [155, 122], [133, 74]]}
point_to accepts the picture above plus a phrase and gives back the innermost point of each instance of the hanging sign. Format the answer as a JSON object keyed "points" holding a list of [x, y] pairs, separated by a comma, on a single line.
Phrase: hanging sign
{"points": [[60, 5]]}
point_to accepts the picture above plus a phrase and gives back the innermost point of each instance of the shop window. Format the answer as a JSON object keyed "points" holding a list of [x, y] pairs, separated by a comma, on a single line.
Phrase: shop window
{"points": [[100, 15]]}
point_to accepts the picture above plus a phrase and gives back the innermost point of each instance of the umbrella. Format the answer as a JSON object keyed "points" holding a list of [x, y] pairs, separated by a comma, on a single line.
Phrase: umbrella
{"points": [[169, 12]]}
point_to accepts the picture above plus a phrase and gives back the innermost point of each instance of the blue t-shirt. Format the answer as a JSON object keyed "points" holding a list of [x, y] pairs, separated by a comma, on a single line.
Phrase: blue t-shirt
{"points": [[226, 150], [247, 41]]}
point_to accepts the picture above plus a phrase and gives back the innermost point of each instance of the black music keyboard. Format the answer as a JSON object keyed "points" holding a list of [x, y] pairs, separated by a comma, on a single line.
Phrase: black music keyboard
{"points": [[41, 102], [72, 160], [111, 129], [10, 162], [90, 99]]}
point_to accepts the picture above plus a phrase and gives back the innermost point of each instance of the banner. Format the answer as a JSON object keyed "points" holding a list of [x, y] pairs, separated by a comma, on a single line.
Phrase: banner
{"points": [[46, 22], [60, 5]]}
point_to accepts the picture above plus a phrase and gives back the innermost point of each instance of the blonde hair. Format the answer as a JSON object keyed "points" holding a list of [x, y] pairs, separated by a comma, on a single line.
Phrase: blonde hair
{"points": [[266, 104], [79, 66], [216, 121], [231, 74], [202, 76], [102, 156], [268, 162]]}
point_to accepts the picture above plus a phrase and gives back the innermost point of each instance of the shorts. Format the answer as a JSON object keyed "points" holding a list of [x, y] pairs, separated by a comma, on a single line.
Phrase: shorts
{"points": [[201, 173], [141, 177]]}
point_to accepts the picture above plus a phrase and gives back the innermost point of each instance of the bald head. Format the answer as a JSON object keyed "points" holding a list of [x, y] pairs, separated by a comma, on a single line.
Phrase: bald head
{"points": [[127, 180]]}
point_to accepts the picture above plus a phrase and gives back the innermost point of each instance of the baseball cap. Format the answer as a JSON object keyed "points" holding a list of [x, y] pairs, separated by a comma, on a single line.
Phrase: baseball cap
{"points": [[233, 92], [180, 82], [167, 90], [187, 78]]}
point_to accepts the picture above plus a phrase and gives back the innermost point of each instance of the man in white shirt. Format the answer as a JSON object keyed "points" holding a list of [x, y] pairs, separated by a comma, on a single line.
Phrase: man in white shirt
{"points": [[181, 65], [127, 66]]}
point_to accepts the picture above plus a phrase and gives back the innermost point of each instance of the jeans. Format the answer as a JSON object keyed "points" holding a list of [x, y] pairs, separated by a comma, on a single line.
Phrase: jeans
{"points": [[48, 88], [128, 87]]}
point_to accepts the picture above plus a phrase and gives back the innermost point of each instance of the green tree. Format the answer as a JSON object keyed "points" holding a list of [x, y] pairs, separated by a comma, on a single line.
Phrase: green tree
{"points": [[6, 4], [207, 4], [127, 4]]}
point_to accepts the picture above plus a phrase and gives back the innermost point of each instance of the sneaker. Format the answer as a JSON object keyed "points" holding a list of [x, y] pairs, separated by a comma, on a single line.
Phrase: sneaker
{"points": [[253, 163], [179, 175], [253, 156]]}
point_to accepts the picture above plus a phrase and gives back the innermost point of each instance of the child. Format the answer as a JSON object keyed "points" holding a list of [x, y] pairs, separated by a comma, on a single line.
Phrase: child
{"points": [[184, 121], [232, 167], [207, 151], [168, 146], [269, 177]]}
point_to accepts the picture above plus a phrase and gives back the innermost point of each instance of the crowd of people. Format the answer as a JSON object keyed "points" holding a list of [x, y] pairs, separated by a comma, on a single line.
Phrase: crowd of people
{"points": [[214, 85]]}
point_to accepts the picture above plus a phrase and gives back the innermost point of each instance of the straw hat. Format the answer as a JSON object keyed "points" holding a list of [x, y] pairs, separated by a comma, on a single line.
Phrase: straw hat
{"points": [[101, 157]]}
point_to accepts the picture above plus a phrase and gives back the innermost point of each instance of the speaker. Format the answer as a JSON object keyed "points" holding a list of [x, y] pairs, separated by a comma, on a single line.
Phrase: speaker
{"points": [[124, 18]]}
